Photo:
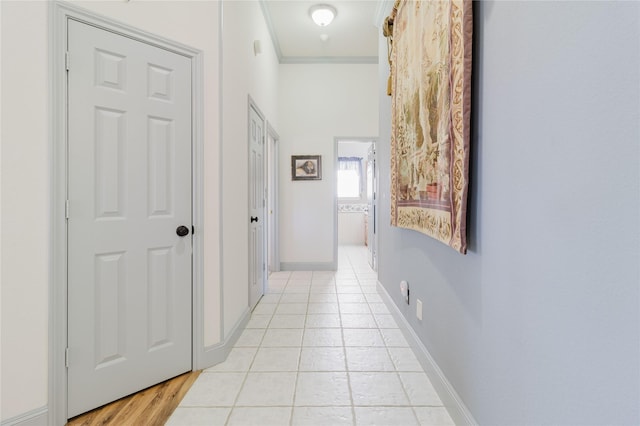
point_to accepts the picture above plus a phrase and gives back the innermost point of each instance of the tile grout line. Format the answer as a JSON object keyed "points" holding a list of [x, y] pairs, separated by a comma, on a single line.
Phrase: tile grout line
{"points": [[295, 381], [244, 381], [295, 384], [346, 366], [288, 295]]}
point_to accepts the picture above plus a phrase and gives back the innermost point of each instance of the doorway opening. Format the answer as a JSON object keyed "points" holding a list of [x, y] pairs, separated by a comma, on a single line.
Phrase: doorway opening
{"points": [[356, 192]]}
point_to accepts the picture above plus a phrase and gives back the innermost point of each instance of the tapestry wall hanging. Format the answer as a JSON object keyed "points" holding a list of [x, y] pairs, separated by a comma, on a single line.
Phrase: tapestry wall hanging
{"points": [[430, 57]]}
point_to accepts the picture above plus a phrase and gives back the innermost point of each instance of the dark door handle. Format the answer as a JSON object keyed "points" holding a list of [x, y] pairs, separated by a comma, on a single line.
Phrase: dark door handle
{"points": [[182, 231], [254, 219]]}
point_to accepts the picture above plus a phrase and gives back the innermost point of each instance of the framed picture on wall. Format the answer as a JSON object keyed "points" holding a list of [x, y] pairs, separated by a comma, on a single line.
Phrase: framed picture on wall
{"points": [[306, 167]]}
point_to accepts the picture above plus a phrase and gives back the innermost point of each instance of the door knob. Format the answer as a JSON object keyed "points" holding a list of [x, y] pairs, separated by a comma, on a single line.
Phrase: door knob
{"points": [[182, 231], [254, 219]]}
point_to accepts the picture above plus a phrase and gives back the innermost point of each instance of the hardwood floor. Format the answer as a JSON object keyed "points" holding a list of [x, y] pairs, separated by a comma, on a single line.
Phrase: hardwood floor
{"points": [[152, 406]]}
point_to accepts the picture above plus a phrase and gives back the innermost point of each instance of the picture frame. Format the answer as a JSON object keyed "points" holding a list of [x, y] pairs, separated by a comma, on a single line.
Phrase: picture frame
{"points": [[306, 167]]}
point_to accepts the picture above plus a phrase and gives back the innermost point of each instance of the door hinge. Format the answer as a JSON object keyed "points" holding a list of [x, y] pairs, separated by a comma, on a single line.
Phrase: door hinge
{"points": [[66, 209], [66, 357], [67, 60], [193, 230]]}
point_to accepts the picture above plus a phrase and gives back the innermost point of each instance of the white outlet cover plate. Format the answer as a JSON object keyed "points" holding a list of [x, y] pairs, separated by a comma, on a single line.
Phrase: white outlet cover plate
{"points": [[404, 286]]}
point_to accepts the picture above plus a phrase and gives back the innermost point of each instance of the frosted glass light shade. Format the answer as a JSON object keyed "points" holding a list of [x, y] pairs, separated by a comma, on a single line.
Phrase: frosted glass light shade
{"points": [[322, 14]]}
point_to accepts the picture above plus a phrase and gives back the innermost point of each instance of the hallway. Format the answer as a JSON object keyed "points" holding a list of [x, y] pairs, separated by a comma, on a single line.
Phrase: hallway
{"points": [[321, 348]]}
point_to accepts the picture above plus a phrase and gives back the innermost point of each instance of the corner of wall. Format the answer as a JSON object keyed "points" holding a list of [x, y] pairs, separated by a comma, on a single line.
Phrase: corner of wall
{"points": [[450, 398], [216, 354]]}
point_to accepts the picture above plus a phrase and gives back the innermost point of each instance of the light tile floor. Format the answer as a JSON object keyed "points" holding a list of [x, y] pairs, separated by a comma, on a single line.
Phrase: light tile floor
{"points": [[321, 348]]}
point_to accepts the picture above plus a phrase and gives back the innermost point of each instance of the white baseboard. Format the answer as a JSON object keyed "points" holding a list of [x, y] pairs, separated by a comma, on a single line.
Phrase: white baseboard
{"points": [[450, 398], [37, 417], [308, 266], [216, 354]]}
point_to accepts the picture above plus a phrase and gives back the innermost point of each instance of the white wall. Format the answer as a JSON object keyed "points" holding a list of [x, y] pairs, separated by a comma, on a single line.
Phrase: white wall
{"points": [[317, 104], [353, 149], [25, 207], [244, 74], [539, 324], [26, 181], [351, 228]]}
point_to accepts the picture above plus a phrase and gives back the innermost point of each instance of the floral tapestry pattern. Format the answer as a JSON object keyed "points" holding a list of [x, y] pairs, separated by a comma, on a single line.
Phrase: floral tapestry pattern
{"points": [[430, 85]]}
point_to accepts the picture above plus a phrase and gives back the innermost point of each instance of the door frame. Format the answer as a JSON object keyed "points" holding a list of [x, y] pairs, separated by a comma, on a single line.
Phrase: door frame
{"points": [[273, 179], [251, 105], [336, 142], [373, 216], [59, 15]]}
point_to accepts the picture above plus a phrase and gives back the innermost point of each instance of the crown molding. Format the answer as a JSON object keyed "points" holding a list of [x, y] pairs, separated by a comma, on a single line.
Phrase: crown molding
{"points": [[314, 59], [329, 60], [272, 31]]}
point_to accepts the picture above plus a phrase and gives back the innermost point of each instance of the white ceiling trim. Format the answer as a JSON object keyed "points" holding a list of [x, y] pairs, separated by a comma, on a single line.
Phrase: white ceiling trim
{"points": [[329, 60], [272, 32], [318, 59]]}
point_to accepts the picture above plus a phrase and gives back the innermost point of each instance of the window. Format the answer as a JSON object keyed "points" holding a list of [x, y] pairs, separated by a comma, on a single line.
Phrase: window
{"points": [[349, 177]]}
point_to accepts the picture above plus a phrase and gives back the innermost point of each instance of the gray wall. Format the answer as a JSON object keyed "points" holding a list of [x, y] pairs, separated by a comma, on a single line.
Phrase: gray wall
{"points": [[539, 322]]}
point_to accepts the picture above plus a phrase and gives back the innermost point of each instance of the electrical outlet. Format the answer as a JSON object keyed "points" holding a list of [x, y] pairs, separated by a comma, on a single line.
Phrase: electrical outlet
{"points": [[419, 309], [404, 290]]}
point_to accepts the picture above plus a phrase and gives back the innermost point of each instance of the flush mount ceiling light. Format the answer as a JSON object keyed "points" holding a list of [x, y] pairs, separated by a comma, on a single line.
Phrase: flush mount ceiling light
{"points": [[322, 14]]}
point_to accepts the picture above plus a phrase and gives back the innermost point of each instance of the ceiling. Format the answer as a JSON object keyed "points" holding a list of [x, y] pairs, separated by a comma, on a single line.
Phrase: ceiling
{"points": [[352, 36]]}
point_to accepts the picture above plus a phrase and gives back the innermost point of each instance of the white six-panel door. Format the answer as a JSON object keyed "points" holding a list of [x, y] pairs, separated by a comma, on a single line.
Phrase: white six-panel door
{"points": [[257, 228], [129, 189]]}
